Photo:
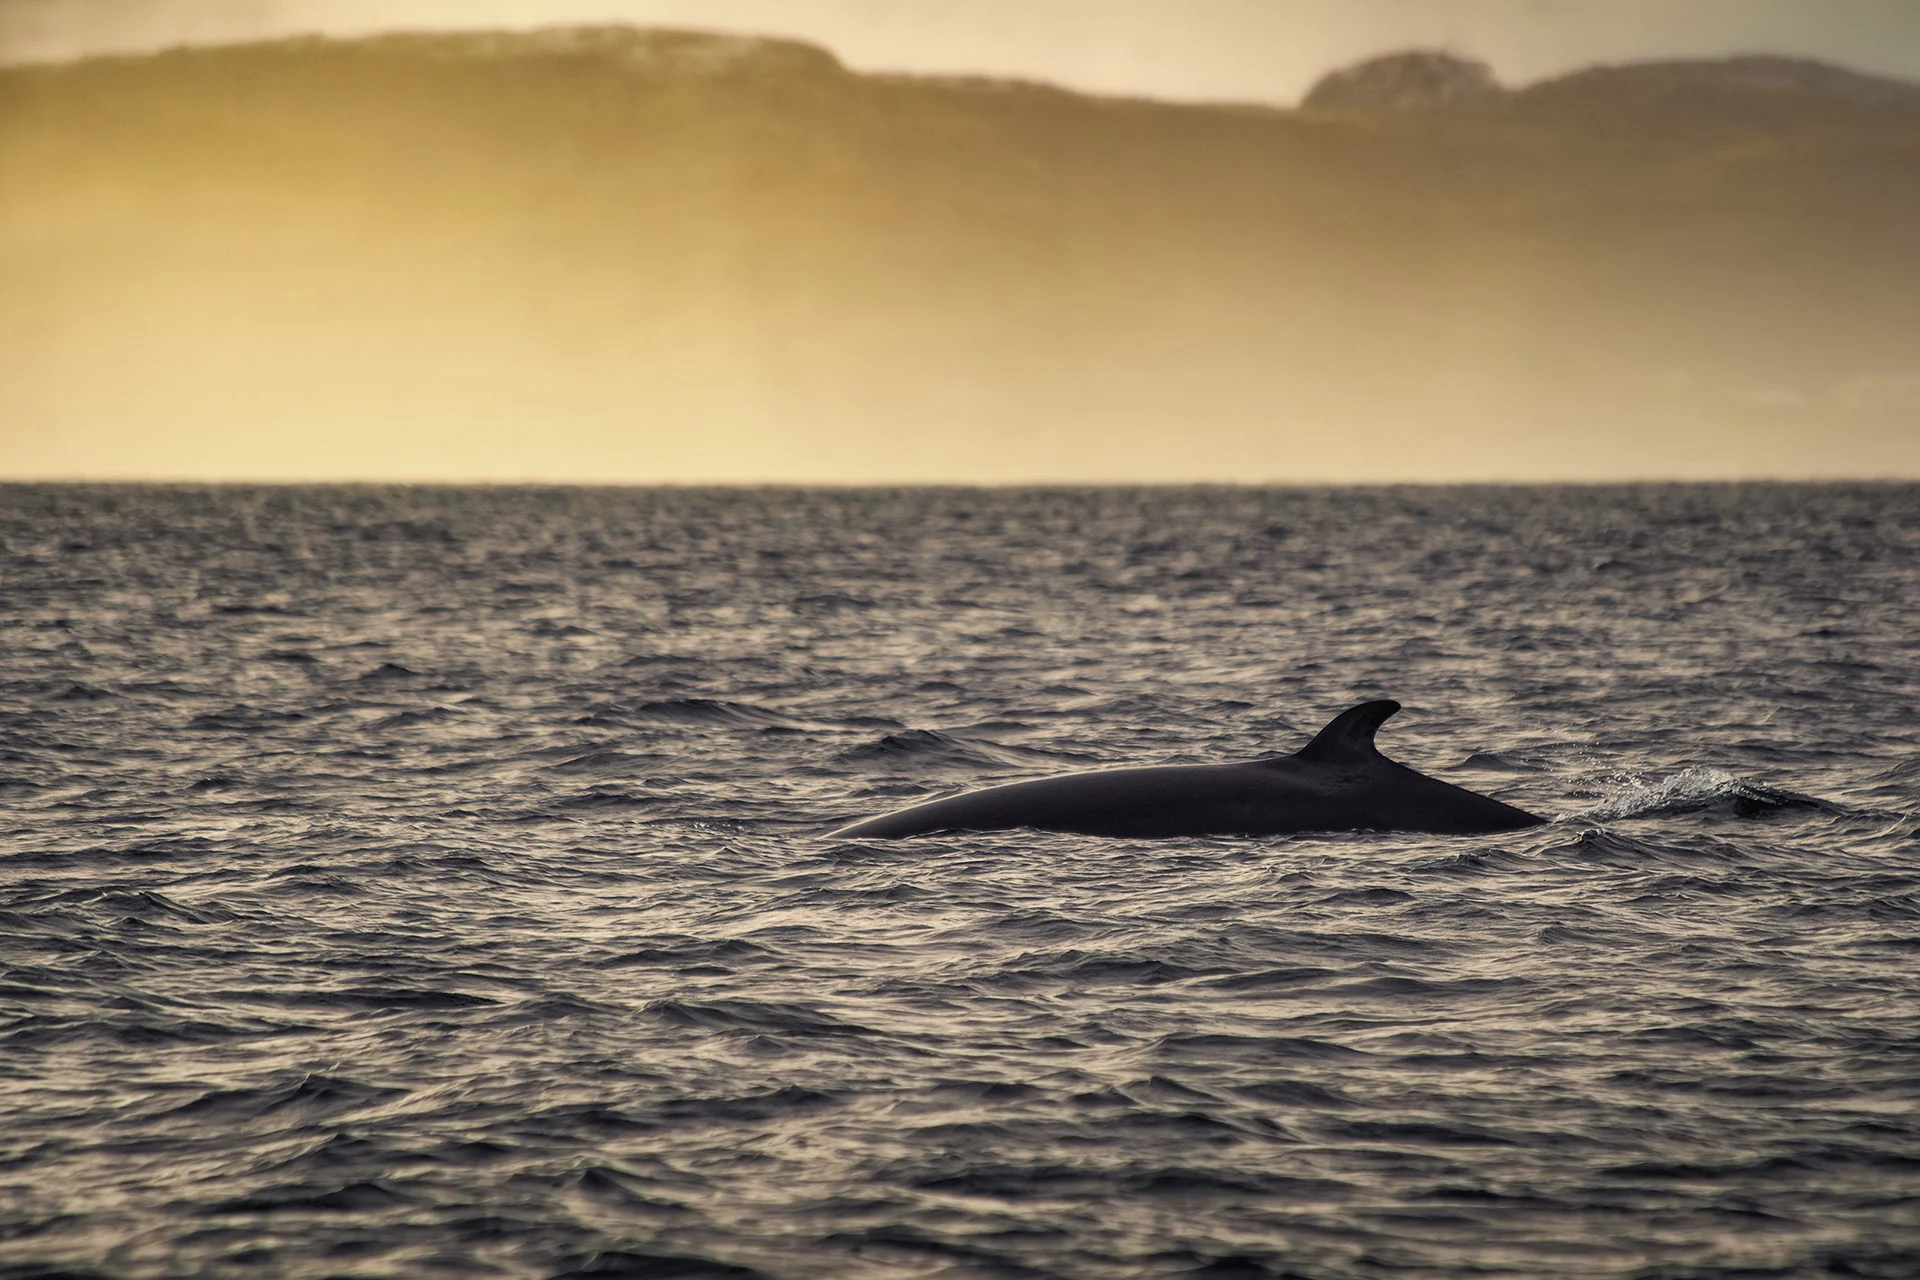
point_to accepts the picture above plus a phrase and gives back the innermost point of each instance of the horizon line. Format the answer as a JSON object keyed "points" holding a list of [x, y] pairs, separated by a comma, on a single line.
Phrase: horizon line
{"points": [[1058, 85], [1642, 482]]}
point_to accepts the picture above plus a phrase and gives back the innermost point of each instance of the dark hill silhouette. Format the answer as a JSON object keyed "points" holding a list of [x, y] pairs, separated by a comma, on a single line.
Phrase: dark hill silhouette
{"points": [[1753, 94], [1799, 84], [1748, 96], [1417, 80], [700, 247]]}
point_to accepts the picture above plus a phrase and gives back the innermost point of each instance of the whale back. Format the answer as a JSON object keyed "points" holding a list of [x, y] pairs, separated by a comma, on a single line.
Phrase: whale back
{"points": [[1347, 786], [1348, 737]]}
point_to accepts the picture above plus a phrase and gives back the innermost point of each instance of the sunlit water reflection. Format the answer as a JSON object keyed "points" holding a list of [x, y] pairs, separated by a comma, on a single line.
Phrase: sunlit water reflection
{"points": [[411, 882]]}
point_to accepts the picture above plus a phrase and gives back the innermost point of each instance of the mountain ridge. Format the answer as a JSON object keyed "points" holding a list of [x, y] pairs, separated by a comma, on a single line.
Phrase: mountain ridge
{"points": [[677, 248], [1753, 72], [1431, 79]]}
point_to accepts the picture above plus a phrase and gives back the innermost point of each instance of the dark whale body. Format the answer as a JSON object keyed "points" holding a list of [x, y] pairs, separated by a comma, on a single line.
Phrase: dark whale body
{"points": [[1337, 782]]}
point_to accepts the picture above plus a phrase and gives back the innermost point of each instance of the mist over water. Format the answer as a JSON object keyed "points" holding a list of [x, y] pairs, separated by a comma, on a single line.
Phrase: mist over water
{"points": [[401, 882], [413, 246]]}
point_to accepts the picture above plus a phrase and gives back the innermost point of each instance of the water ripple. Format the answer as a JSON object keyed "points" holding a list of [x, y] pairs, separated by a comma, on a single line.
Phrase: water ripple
{"points": [[399, 882]]}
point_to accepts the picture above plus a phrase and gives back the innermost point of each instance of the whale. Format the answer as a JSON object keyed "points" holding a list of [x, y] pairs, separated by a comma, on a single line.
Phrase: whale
{"points": [[1337, 782]]}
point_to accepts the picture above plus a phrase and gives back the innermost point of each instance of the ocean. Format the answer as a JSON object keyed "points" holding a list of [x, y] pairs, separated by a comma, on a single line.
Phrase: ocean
{"points": [[411, 882]]}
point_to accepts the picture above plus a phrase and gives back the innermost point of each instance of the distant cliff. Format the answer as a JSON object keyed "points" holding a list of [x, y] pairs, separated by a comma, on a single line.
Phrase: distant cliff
{"points": [[701, 247], [1420, 79], [1751, 94]]}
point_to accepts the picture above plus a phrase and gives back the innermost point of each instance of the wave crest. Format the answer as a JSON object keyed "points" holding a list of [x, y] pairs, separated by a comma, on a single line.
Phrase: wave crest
{"points": [[1695, 790]]}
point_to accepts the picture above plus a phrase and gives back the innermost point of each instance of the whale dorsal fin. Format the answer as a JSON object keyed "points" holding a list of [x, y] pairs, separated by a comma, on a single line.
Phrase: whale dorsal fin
{"points": [[1348, 737]]}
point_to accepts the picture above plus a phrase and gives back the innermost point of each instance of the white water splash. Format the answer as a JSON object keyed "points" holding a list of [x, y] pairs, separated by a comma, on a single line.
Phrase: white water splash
{"points": [[1699, 787]]}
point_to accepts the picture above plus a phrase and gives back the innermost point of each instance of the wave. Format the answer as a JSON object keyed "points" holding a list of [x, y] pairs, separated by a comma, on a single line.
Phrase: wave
{"points": [[442, 971], [1696, 790], [149, 905], [312, 1092], [673, 950], [668, 1266], [605, 761], [299, 657], [604, 797], [1494, 762], [926, 747], [244, 719], [323, 1197], [701, 711], [406, 719], [758, 1017], [80, 691]]}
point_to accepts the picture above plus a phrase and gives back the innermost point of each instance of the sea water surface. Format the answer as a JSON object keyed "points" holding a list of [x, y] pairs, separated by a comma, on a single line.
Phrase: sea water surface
{"points": [[402, 882]]}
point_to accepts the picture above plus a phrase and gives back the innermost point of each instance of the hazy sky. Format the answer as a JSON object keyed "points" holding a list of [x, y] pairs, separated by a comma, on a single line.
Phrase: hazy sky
{"points": [[1257, 50], [173, 319]]}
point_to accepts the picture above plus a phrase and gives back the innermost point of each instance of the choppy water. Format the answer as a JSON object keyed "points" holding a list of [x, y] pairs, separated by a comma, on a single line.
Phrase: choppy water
{"points": [[431, 882]]}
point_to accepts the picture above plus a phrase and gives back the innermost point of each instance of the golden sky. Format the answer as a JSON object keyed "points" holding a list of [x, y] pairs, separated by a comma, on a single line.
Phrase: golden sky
{"points": [[230, 281], [1253, 50]]}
